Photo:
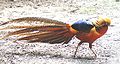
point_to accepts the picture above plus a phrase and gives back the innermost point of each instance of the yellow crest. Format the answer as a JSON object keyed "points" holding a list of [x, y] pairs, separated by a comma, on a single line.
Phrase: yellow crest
{"points": [[102, 21]]}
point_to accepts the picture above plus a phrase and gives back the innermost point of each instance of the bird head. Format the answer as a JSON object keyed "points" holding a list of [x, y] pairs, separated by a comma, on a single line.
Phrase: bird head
{"points": [[102, 21]]}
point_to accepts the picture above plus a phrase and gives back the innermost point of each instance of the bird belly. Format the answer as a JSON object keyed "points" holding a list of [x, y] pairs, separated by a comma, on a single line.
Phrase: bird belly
{"points": [[89, 37]]}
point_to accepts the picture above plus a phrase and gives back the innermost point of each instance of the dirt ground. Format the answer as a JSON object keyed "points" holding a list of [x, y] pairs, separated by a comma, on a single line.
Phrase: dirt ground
{"points": [[107, 47]]}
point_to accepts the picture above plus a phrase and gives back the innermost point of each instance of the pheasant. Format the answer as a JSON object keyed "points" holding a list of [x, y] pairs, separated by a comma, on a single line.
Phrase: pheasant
{"points": [[54, 32]]}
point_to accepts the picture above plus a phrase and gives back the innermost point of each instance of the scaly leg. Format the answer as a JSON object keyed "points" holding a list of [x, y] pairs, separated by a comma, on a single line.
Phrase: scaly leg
{"points": [[77, 48], [90, 46]]}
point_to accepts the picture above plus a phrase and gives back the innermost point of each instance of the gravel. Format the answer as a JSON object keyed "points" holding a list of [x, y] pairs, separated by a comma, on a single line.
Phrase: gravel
{"points": [[107, 47]]}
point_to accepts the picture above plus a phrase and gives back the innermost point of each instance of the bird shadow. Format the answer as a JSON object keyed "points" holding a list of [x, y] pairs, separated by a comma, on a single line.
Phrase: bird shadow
{"points": [[86, 58], [71, 57], [53, 56]]}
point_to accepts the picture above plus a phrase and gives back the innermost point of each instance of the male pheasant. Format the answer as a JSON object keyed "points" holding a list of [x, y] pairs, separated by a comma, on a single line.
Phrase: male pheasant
{"points": [[54, 32]]}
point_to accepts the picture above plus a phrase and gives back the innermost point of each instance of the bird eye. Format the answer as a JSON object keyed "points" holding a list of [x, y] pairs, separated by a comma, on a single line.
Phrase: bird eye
{"points": [[105, 24]]}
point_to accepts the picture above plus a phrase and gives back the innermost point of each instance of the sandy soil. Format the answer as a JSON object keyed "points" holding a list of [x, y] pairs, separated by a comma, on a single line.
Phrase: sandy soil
{"points": [[107, 47]]}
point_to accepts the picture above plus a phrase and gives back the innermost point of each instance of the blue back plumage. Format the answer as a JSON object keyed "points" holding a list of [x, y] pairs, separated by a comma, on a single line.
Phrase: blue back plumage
{"points": [[83, 25]]}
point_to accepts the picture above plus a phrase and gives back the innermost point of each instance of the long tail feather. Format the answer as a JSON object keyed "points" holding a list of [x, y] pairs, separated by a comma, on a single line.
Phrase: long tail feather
{"points": [[47, 38], [59, 40], [34, 19], [40, 35], [56, 38], [68, 39], [40, 29], [53, 32], [17, 27]]}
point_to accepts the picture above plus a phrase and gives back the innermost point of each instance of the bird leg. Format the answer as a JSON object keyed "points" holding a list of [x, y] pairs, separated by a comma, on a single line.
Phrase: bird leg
{"points": [[90, 46], [77, 48]]}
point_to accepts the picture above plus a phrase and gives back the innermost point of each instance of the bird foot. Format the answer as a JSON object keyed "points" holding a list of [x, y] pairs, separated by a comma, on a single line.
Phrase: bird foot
{"points": [[65, 45]]}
